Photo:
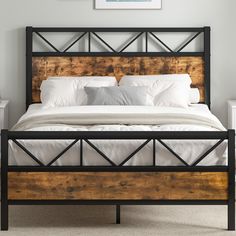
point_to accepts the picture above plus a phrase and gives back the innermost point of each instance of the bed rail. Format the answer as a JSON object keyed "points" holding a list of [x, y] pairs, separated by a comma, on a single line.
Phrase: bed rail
{"points": [[130, 174]]}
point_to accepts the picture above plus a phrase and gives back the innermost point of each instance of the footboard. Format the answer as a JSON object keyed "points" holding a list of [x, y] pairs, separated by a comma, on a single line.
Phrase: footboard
{"points": [[118, 184]]}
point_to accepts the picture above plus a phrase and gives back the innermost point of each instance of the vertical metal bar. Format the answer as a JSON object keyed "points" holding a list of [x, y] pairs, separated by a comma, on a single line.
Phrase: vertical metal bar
{"points": [[29, 50], [81, 152], [154, 152], [146, 41], [117, 214], [4, 181], [207, 66], [89, 41], [231, 180]]}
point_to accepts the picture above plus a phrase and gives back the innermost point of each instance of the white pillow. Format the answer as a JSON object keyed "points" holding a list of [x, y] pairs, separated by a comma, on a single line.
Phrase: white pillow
{"points": [[145, 80], [170, 90], [170, 94], [58, 93], [194, 96], [69, 91]]}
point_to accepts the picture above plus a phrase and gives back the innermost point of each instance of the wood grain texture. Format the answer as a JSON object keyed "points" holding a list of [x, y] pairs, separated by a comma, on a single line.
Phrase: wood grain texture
{"points": [[118, 185], [43, 67]]}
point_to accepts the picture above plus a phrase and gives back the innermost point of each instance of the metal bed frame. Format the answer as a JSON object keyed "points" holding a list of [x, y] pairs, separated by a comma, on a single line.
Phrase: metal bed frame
{"points": [[86, 137]]}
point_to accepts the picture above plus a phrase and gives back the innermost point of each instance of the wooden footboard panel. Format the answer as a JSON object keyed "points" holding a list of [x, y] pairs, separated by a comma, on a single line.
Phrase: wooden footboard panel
{"points": [[117, 186]]}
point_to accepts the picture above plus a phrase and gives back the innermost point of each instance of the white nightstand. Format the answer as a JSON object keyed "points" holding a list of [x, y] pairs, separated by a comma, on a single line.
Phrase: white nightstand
{"points": [[4, 114], [232, 114], [3, 117]]}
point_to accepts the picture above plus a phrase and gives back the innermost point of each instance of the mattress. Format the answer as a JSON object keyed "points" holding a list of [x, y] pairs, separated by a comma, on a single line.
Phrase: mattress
{"points": [[118, 118]]}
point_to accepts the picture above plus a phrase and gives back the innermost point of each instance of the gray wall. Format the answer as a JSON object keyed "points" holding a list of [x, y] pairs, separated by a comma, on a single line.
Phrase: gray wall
{"points": [[15, 15]]}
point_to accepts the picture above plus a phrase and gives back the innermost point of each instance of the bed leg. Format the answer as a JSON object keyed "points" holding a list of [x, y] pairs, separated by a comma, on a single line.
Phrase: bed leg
{"points": [[231, 180], [117, 214], [4, 181], [4, 216], [231, 216]]}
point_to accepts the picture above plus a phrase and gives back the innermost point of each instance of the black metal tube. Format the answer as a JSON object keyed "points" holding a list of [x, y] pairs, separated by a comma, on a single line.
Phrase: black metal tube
{"points": [[231, 180], [207, 152], [28, 152], [100, 152], [146, 42], [74, 42], [4, 180], [162, 43], [134, 152], [129, 43], [118, 29], [189, 41], [81, 152], [29, 52], [103, 41], [117, 54], [173, 152], [117, 202], [118, 169], [117, 135], [117, 214], [154, 152], [46, 41], [207, 65], [62, 152], [89, 42]]}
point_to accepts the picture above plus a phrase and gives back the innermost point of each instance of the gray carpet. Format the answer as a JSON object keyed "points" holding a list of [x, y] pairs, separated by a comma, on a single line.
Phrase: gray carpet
{"points": [[99, 220]]}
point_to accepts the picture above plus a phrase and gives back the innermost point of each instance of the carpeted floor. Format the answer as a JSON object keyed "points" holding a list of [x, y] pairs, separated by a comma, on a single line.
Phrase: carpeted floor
{"points": [[99, 220]]}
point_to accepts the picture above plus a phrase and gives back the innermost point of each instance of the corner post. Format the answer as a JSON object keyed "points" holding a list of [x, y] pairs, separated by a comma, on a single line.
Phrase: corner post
{"points": [[29, 50], [4, 180], [231, 180], [207, 64]]}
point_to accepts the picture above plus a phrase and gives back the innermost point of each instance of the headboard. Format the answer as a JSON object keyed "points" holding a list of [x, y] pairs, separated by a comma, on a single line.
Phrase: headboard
{"points": [[41, 64]]}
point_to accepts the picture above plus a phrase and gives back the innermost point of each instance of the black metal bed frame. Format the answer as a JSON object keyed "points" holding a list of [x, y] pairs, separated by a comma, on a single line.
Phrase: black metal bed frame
{"points": [[86, 137]]}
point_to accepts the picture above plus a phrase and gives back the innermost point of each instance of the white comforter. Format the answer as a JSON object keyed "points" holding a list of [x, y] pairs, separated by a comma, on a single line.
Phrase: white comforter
{"points": [[118, 118], [110, 115]]}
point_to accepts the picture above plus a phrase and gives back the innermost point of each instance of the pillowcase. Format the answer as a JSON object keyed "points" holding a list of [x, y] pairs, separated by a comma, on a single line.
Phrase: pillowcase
{"points": [[69, 91], [170, 94], [58, 93], [194, 96], [171, 90], [147, 80], [125, 95]]}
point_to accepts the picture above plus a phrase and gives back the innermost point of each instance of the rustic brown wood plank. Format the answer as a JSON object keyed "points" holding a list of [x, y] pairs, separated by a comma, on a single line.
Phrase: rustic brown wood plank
{"points": [[43, 67], [118, 185]]}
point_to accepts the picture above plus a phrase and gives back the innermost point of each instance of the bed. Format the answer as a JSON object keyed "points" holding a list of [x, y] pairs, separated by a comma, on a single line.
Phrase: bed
{"points": [[125, 154]]}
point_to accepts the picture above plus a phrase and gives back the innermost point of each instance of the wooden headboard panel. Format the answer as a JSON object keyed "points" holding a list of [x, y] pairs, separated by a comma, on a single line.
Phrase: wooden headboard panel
{"points": [[41, 65]]}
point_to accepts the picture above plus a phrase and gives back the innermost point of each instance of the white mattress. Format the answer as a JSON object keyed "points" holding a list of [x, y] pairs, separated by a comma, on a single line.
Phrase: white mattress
{"points": [[118, 118]]}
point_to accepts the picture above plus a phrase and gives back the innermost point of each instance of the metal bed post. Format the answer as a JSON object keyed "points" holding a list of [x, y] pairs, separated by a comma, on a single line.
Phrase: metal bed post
{"points": [[29, 50], [231, 180], [207, 64], [4, 180]]}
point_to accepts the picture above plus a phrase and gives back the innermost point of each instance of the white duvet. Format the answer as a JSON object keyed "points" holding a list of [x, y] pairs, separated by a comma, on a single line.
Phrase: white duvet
{"points": [[118, 118]]}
